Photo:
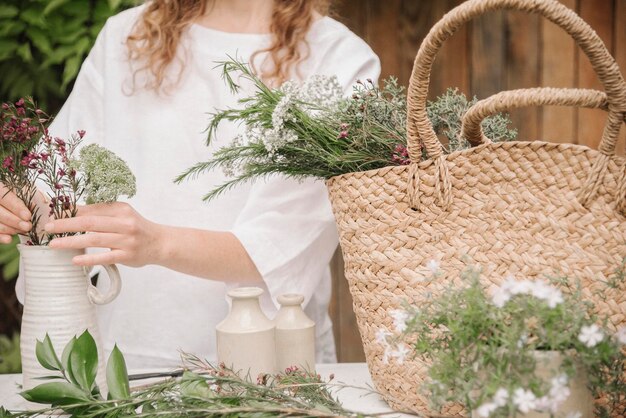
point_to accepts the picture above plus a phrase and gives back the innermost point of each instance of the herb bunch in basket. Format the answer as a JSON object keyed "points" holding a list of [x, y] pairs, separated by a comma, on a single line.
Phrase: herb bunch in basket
{"points": [[311, 129]]}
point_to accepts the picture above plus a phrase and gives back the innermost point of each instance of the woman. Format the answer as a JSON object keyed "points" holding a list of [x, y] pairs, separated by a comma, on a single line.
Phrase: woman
{"points": [[144, 92]]}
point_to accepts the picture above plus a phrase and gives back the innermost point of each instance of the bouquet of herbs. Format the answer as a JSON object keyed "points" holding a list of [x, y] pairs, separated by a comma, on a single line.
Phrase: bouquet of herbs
{"points": [[32, 157], [201, 390], [310, 129], [484, 346]]}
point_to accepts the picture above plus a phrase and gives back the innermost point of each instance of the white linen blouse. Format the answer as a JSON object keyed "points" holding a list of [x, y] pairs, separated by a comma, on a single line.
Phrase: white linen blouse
{"points": [[286, 226]]}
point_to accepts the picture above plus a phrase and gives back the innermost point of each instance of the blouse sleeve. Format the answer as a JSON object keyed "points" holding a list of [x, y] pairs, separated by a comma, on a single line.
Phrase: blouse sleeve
{"points": [[287, 226]]}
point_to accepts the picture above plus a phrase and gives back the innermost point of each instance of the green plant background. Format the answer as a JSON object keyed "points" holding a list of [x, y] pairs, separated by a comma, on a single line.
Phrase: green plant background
{"points": [[42, 46]]}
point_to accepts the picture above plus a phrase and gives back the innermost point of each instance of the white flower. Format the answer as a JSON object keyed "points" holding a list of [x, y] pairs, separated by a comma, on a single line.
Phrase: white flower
{"points": [[381, 336], [486, 409], [524, 400], [554, 298], [500, 297], [500, 397], [543, 404], [387, 354], [621, 335], [590, 335], [558, 395], [574, 415], [525, 287], [541, 290], [399, 319], [508, 284], [433, 266], [400, 353], [281, 112]]}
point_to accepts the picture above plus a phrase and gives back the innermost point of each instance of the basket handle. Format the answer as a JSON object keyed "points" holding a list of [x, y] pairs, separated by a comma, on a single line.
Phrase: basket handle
{"points": [[471, 128], [420, 131]]}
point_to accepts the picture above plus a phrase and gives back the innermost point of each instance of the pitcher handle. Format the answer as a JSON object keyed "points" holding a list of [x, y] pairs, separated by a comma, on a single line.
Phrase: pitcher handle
{"points": [[97, 297]]}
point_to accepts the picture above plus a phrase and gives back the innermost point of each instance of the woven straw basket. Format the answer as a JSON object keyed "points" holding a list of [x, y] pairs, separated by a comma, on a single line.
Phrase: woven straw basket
{"points": [[527, 209]]}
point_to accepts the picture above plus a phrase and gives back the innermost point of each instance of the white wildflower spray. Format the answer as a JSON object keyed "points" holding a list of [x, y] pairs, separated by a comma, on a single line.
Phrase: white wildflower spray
{"points": [[107, 176]]}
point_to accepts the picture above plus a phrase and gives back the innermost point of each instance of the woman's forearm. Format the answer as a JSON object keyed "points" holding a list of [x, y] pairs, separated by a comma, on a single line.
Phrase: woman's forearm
{"points": [[213, 255]]}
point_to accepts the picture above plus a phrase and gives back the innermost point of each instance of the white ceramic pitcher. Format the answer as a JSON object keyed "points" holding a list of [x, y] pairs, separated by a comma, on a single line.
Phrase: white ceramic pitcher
{"points": [[59, 300]]}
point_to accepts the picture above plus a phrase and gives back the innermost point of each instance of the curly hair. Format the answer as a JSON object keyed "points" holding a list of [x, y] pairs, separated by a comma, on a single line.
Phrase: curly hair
{"points": [[155, 38]]}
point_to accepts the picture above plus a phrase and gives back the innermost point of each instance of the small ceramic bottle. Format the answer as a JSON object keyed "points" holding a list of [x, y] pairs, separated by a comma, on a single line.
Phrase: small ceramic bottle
{"points": [[245, 338], [295, 335]]}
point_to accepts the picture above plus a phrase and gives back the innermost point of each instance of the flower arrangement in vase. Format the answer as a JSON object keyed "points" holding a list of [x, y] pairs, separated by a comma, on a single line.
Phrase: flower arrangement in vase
{"points": [[526, 348], [46, 174]]}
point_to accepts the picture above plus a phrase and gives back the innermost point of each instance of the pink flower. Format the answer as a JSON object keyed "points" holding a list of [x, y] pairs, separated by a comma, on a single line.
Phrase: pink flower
{"points": [[8, 163], [343, 134], [20, 102], [81, 133], [401, 155]]}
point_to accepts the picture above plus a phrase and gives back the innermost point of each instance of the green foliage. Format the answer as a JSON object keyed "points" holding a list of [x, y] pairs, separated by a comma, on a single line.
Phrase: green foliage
{"points": [[202, 391], [44, 42], [446, 112], [10, 259], [312, 130], [107, 176], [10, 359], [117, 380], [482, 347]]}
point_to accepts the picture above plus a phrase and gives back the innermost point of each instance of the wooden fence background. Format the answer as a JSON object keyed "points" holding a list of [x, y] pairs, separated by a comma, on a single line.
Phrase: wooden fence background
{"points": [[500, 51]]}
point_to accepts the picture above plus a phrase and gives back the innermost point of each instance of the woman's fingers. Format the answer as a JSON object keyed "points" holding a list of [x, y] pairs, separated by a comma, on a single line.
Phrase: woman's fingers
{"points": [[88, 224], [109, 257], [13, 204], [97, 240], [6, 239], [9, 219]]}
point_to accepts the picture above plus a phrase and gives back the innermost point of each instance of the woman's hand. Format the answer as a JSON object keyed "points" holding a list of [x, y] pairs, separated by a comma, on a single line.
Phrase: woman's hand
{"points": [[134, 241], [14, 215]]}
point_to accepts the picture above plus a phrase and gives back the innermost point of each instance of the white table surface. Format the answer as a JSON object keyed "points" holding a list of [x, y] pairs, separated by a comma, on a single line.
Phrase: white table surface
{"points": [[360, 398]]}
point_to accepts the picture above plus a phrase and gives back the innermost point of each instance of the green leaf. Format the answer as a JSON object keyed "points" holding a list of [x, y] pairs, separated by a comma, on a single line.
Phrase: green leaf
{"points": [[83, 360], [65, 359], [23, 51], [12, 29], [52, 5], [59, 55], [114, 4], [70, 71], [117, 375], [194, 386], [39, 39], [7, 11], [55, 393], [33, 17], [7, 48], [11, 269], [46, 355]]}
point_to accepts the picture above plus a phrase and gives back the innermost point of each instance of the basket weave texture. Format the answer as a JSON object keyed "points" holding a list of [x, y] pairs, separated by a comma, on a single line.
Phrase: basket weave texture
{"points": [[526, 209]]}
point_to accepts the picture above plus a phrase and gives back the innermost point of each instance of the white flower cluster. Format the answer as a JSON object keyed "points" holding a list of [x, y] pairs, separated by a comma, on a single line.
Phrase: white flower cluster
{"points": [[500, 399], [525, 400], [319, 90], [539, 289], [401, 350]]}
